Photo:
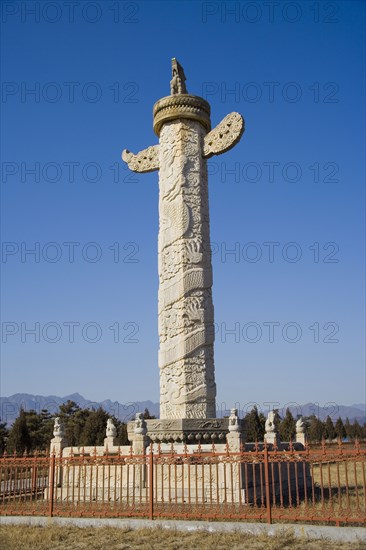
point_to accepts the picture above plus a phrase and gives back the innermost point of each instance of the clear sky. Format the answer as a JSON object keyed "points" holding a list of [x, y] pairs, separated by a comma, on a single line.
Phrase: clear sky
{"points": [[79, 83]]}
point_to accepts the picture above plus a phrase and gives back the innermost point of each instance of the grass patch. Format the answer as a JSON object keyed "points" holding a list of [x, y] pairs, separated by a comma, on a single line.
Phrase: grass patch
{"points": [[16, 537]]}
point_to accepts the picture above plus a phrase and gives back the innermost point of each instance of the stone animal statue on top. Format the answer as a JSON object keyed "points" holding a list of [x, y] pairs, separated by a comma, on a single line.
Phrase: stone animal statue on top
{"points": [[177, 83]]}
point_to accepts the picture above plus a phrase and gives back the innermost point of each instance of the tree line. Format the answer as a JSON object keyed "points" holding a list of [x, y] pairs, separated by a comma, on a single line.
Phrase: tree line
{"points": [[316, 430], [33, 431]]}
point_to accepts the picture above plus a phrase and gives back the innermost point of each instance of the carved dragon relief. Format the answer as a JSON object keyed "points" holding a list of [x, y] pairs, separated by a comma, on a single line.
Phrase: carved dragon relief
{"points": [[182, 385], [184, 331]]}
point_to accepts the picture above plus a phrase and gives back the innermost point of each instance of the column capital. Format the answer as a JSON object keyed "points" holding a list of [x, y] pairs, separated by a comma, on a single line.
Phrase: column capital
{"points": [[181, 106]]}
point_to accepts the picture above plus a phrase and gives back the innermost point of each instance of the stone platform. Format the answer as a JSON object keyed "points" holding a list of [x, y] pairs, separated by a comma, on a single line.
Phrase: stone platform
{"points": [[187, 430]]}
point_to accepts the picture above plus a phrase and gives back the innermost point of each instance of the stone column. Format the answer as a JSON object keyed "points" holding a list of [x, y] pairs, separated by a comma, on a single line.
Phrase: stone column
{"points": [[186, 330], [187, 379]]}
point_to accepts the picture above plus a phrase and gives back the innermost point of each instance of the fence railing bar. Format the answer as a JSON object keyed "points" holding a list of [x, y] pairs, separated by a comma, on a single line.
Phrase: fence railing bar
{"points": [[364, 483], [356, 485], [267, 486], [51, 484], [347, 486], [305, 484], [297, 484], [151, 484]]}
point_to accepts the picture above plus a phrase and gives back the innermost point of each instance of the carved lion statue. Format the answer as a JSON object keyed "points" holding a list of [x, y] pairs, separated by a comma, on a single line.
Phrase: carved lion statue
{"points": [[111, 430], [270, 425], [58, 429]]}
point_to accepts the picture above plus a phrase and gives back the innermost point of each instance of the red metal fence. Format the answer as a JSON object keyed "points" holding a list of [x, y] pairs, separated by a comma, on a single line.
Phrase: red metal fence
{"points": [[325, 484]]}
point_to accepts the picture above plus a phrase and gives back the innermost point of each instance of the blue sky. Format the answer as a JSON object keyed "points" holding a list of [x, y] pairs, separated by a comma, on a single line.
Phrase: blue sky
{"points": [[288, 199]]}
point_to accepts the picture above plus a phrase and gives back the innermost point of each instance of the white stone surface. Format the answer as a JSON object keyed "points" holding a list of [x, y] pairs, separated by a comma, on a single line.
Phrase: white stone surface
{"points": [[111, 430], [186, 314], [187, 381], [271, 435], [300, 431]]}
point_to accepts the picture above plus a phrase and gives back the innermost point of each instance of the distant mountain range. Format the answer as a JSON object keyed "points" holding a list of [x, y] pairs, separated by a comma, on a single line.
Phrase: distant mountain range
{"points": [[10, 406]]}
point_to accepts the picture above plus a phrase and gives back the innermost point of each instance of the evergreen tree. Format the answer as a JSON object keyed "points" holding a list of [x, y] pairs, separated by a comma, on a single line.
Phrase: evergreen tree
{"points": [[87, 427], [254, 425], [19, 439], [287, 427], [356, 431], [4, 433], [329, 430], [147, 415], [40, 427], [46, 429], [262, 424], [277, 419], [316, 429], [122, 436], [364, 431], [68, 409], [94, 429], [348, 428], [339, 429], [74, 419]]}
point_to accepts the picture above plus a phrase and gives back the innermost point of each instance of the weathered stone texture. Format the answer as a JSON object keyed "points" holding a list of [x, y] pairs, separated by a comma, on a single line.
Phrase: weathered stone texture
{"points": [[187, 382]]}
